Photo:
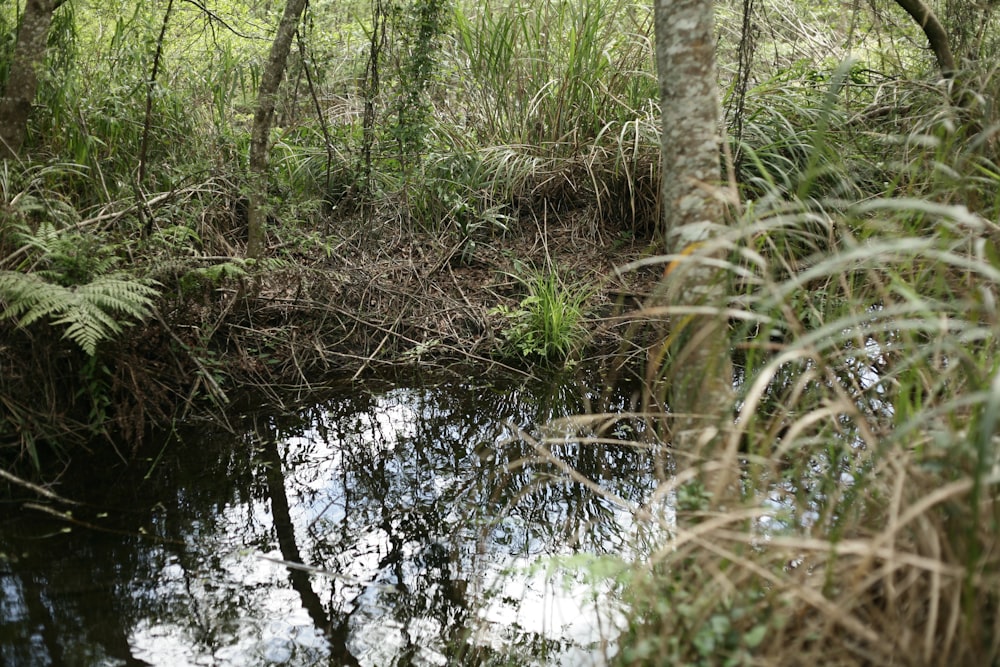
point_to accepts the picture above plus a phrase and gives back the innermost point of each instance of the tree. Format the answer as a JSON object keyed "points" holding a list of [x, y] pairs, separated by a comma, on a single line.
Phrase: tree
{"points": [[22, 82], [937, 38], [701, 377], [263, 117], [685, 63]]}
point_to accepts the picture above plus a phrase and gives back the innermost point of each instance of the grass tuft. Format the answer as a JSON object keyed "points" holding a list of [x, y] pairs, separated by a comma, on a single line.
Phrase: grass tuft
{"points": [[547, 324]]}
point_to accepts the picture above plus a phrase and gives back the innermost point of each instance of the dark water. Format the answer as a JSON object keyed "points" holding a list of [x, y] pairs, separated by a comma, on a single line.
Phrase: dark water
{"points": [[425, 527]]}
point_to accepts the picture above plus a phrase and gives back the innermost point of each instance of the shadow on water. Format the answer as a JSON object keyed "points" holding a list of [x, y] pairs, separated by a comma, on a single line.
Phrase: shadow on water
{"points": [[384, 525]]}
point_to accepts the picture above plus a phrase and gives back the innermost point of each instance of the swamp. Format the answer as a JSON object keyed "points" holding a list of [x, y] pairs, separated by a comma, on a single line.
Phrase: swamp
{"points": [[534, 332]]}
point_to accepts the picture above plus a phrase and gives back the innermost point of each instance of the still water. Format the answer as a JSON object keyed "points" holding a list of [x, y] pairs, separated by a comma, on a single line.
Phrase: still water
{"points": [[380, 525]]}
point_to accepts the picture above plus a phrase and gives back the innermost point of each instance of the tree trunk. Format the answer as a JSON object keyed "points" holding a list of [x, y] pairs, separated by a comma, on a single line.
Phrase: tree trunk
{"points": [[685, 59], [700, 373], [936, 35], [22, 82], [260, 134]]}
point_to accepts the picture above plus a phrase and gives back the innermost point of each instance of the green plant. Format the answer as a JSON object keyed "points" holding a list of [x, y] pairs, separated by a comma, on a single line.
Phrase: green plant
{"points": [[68, 257], [204, 278], [93, 312], [95, 388], [548, 322], [555, 72], [420, 27], [456, 197]]}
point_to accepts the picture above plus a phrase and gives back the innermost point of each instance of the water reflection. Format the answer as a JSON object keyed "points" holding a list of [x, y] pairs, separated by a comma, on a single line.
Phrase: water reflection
{"points": [[384, 526]]}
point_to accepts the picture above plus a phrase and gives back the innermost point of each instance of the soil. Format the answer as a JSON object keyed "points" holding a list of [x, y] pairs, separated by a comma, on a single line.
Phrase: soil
{"points": [[369, 300]]}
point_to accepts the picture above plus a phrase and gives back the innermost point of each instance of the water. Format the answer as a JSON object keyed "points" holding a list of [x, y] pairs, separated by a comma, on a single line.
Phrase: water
{"points": [[381, 526]]}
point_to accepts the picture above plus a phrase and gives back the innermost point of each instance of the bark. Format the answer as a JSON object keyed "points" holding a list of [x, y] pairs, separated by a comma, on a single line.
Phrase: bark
{"points": [[267, 95], [936, 35], [685, 58], [700, 373], [22, 82]]}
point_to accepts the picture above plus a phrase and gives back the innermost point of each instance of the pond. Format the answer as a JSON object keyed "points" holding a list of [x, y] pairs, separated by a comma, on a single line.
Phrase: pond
{"points": [[381, 525]]}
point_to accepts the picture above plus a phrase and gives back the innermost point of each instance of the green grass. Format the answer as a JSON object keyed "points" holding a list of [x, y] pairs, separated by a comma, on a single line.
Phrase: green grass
{"points": [[547, 325]]}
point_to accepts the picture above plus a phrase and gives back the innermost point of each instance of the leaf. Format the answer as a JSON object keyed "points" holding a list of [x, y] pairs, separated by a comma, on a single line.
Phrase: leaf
{"points": [[93, 312], [753, 638]]}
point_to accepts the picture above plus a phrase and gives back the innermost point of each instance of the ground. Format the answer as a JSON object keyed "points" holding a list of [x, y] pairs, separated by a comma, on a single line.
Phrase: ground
{"points": [[399, 298], [363, 298]]}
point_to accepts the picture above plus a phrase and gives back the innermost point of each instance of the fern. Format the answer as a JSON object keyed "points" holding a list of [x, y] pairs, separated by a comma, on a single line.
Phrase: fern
{"points": [[93, 312]]}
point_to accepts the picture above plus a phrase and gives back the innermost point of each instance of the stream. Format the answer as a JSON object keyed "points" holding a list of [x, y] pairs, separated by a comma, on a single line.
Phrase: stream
{"points": [[382, 525]]}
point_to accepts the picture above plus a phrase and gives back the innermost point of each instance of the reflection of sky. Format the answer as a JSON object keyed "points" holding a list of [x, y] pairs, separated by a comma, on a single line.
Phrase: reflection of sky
{"points": [[427, 521], [376, 498]]}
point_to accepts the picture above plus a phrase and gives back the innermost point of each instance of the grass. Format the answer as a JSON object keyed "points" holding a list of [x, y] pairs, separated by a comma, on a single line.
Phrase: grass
{"points": [[548, 323], [846, 514]]}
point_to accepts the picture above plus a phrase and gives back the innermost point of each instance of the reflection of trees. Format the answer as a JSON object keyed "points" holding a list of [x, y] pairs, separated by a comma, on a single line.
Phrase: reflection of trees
{"points": [[23, 612], [83, 591], [423, 484], [84, 625], [300, 580], [416, 493]]}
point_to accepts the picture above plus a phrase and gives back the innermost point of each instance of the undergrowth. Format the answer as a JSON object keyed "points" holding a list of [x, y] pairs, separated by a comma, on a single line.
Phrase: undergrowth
{"points": [[845, 515]]}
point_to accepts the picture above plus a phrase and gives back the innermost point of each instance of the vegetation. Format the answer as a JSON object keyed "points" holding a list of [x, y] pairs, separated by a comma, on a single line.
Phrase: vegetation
{"points": [[842, 510], [548, 322]]}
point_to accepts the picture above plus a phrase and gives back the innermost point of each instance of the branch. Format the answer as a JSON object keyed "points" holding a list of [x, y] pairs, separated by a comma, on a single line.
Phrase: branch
{"points": [[936, 35], [212, 16]]}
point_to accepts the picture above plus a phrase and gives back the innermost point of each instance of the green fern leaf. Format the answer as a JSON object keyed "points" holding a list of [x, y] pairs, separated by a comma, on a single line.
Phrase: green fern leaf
{"points": [[92, 313]]}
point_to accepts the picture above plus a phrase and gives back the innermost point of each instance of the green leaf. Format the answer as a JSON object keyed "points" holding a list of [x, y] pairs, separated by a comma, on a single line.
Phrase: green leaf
{"points": [[753, 638], [92, 313]]}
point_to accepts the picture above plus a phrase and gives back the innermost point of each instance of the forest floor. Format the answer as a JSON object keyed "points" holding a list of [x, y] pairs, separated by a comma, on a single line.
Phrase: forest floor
{"points": [[376, 301], [404, 299]]}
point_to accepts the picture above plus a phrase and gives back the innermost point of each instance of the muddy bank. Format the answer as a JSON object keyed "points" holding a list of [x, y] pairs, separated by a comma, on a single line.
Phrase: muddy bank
{"points": [[377, 301]]}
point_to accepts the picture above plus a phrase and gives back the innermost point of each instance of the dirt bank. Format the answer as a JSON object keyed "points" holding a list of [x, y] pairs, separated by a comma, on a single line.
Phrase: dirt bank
{"points": [[375, 301]]}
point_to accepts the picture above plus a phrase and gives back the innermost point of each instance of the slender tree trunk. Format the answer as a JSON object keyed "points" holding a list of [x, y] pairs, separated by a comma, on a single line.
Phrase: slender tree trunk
{"points": [[700, 373], [935, 33], [685, 59], [260, 134], [22, 82]]}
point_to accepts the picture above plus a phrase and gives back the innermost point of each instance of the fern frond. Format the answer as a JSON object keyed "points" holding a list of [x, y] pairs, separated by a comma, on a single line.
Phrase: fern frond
{"points": [[29, 297], [92, 313], [45, 239], [88, 325], [129, 297]]}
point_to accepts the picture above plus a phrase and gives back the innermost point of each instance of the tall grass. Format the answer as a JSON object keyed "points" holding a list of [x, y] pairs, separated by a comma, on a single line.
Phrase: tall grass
{"points": [[848, 512], [555, 73]]}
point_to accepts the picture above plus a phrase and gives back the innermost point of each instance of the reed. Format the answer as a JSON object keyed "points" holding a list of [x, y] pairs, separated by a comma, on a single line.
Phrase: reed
{"points": [[847, 514]]}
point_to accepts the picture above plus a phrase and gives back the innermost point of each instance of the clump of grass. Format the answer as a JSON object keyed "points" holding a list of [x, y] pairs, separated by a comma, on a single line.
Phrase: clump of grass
{"points": [[848, 515], [547, 324]]}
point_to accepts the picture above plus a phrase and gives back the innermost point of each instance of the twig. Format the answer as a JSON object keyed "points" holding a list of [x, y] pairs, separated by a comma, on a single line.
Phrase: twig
{"points": [[14, 479], [69, 518]]}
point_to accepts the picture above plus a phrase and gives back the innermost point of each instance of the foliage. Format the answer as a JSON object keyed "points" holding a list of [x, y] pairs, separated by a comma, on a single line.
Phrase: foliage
{"points": [[92, 312], [420, 27], [548, 322], [556, 72], [456, 197]]}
